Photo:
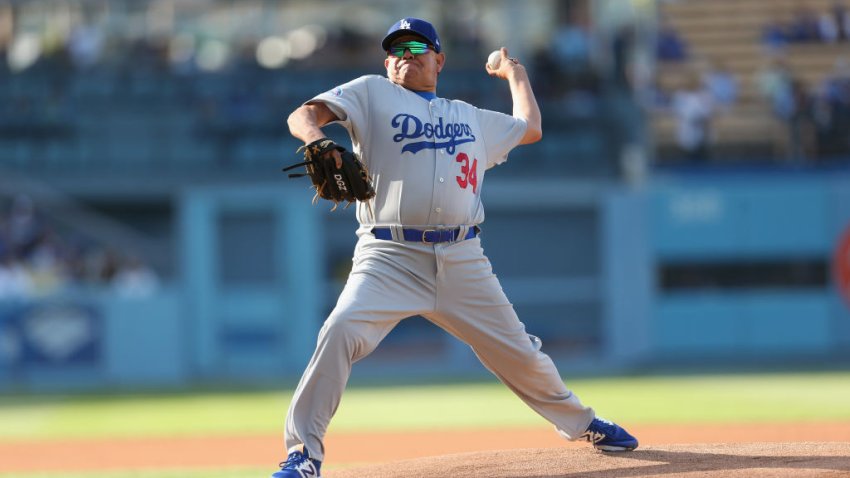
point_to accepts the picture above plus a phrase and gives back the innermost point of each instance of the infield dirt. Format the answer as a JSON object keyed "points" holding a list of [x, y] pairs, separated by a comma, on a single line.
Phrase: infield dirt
{"points": [[807, 449], [757, 460]]}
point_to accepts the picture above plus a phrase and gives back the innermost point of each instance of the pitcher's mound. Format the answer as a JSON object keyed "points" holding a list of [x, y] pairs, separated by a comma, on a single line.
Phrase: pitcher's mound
{"points": [[664, 461]]}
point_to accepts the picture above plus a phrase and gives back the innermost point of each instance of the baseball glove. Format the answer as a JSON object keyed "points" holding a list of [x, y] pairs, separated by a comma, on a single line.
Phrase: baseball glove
{"points": [[349, 183]]}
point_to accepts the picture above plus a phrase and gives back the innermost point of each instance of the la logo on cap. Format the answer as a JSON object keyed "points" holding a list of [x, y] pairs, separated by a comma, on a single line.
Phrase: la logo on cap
{"points": [[405, 25]]}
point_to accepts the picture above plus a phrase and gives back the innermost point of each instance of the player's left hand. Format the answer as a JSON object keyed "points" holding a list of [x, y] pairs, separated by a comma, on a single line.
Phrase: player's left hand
{"points": [[507, 66], [337, 175]]}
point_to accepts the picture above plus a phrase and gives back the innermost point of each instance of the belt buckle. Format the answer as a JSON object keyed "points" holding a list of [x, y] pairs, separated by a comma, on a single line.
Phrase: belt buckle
{"points": [[424, 232]]}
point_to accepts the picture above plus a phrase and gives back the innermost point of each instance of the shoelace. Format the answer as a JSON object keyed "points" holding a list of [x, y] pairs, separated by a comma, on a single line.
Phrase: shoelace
{"points": [[293, 459], [607, 426]]}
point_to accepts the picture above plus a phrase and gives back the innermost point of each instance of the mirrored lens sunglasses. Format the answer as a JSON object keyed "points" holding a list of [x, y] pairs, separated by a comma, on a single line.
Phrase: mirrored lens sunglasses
{"points": [[415, 47]]}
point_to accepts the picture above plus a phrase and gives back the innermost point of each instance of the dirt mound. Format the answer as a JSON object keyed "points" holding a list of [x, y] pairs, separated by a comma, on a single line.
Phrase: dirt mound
{"points": [[710, 460], [522, 452]]}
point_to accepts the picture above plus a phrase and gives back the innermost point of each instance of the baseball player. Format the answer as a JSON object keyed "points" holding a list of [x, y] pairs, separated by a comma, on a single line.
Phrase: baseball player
{"points": [[418, 250]]}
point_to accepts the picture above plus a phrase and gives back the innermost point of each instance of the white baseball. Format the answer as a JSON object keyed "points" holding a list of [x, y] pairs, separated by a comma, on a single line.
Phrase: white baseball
{"points": [[494, 59]]}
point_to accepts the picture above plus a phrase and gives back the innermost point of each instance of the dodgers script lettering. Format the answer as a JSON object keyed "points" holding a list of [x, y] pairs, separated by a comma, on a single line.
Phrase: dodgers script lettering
{"points": [[435, 135]]}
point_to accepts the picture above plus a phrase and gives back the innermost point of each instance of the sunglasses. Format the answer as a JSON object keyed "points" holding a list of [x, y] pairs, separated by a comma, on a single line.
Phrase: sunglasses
{"points": [[415, 47]]}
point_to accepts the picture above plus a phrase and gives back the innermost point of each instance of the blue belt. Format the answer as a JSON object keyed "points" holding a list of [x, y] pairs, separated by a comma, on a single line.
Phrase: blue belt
{"points": [[428, 236]]}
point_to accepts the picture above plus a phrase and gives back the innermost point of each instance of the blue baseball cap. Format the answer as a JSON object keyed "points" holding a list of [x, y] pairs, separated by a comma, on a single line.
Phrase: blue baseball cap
{"points": [[415, 26]]}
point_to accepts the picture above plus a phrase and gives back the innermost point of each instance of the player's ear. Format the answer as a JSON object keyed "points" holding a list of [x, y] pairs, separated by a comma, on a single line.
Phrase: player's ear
{"points": [[387, 62], [441, 61]]}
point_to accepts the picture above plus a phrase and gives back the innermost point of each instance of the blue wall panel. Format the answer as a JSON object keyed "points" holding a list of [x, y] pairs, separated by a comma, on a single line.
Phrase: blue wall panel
{"points": [[694, 220], [745, 324], [145, 340], [788, 322], [745, 218], [785, 219], [734, 219], [696, 325]]}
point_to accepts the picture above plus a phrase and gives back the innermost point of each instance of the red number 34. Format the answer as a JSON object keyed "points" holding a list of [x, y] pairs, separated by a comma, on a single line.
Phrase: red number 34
{"points": [[470, 174]]}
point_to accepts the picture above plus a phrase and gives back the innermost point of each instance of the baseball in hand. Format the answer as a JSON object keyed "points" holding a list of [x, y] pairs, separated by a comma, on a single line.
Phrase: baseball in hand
{"points": [[494, 59]]}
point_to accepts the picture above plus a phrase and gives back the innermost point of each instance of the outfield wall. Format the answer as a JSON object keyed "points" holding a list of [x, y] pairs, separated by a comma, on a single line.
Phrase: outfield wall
{"points": [[690, 270], [765, 245]]}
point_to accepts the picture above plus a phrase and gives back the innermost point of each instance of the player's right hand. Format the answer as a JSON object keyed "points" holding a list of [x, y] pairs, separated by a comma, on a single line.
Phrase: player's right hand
{"points": [[506, 67]]}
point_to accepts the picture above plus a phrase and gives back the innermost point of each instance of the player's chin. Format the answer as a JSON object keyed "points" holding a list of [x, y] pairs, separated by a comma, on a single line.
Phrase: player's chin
{"points": [[402, 78]]}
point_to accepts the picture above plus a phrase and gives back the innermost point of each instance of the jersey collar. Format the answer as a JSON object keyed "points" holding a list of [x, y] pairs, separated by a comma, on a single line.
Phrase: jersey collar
{"points": [[427, 95]]}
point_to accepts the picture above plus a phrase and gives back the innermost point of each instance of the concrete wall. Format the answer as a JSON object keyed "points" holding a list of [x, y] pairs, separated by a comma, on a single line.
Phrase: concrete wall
{"points": [[580, 262]]}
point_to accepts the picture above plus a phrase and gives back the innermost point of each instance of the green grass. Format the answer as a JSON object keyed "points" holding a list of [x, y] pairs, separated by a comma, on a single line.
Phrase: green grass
{"points": [[686, 399], [681, 399]]}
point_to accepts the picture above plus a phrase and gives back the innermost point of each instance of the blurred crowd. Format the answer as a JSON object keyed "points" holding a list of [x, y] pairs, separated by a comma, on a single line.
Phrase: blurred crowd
{"points": [[808, 25], [812, 117], [39, 259], [563, 71], [227, 94], [818, 118], [567, 63]]}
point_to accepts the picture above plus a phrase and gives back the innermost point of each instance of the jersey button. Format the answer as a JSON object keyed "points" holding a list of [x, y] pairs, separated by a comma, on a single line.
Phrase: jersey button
{"points": [[442, 180], [438, 210]]}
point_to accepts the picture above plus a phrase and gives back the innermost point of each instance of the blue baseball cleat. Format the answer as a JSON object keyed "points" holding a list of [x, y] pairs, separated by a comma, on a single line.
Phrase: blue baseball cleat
{"points": [[299, 465], [608, 436]]}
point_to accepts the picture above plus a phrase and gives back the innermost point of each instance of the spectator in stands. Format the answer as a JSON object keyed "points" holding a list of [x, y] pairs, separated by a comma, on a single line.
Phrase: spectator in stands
{"points": [[833, 116], [657, 98], [774, 36], [108, 263], [834, 25], [134, 279], [669, 44], [623, 53], [15, 282], [805, 26], [4, 232], [693, 108], [774, 82], [36, 259], [721, 84], [546, 72], [576, 80], [835, 84], [85, 45], [24, 226], [464, 27], [571, 44], [793, 106], [800, 122], [46, 263]]}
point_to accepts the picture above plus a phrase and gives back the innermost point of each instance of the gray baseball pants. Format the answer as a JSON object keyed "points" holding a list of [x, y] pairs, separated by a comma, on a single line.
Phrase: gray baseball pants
{"points": [[451, 285]]}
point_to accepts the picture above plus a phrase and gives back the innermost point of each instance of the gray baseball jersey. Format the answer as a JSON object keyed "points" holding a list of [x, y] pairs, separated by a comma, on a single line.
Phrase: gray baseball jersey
{"points": [[427, 157]]}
